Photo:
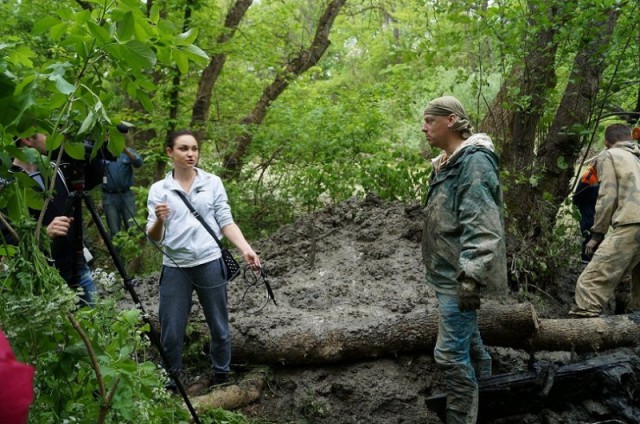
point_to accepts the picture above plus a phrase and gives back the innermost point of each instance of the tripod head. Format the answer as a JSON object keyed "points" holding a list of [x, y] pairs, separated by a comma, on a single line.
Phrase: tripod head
{"points": [[88, 172]]}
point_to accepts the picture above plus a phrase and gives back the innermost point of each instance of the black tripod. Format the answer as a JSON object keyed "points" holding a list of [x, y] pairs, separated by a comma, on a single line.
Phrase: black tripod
{"points": [[73, 207]]}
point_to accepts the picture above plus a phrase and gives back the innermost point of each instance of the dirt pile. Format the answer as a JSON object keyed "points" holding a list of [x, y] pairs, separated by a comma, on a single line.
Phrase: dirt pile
{"points": [[361, 259]]}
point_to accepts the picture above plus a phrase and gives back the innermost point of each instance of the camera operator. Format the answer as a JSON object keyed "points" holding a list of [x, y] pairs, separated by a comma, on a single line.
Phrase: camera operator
{"points": [[59, 226], [117, 198]]}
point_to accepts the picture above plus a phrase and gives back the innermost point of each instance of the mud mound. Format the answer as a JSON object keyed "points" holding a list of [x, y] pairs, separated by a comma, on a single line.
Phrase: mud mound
{"points": [[358, 259], [356, 254]]}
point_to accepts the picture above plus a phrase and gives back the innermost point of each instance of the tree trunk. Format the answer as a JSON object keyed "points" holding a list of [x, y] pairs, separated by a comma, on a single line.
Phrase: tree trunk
{"points": [[331, 340], [202, 104], [561, 148], [174, 93], [588, 334], [498, 121], [517, 154], [233, 162], [539, 181], [538, 77]]}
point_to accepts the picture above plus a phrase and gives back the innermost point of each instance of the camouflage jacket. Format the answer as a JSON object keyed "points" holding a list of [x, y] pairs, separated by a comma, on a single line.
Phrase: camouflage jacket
{"points": [[619, 195], [463, 229]]}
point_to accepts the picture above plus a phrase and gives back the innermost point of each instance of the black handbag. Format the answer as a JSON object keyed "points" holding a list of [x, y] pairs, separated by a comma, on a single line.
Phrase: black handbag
{"points": [[232, 267]]}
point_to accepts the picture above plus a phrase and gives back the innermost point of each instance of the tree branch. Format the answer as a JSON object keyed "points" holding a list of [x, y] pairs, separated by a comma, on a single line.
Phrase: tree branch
{"points": [[302, 62]]}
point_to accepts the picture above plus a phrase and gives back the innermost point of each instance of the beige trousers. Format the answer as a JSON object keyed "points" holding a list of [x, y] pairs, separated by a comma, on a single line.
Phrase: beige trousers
{"points": [[617, 255]]}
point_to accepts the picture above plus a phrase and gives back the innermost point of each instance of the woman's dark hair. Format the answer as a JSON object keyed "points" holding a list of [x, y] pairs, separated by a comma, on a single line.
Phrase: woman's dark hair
{"points": [[171, 140]]}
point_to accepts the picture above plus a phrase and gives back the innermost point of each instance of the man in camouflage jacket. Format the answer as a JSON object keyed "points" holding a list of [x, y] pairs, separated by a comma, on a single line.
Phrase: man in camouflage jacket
{"points": [[463, 248], [618, 207]]}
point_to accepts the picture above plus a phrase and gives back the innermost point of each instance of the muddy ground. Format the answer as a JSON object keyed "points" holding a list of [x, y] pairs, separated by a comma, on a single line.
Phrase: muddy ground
{"points": [[362, 258]]}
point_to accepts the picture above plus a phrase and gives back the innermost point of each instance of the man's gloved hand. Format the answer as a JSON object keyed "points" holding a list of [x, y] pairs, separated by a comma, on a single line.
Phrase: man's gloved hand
{"points": [[468, 295], [591, 247]]}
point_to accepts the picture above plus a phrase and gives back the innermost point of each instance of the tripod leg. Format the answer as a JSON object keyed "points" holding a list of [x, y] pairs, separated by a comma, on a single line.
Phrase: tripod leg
{"points": [[129, 284]]}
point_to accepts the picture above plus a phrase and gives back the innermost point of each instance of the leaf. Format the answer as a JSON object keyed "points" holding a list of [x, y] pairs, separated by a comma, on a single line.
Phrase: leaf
{"points": [[22, 56], [196, 53], [164, 55], [126, 26], [57, 31], [88, 123], [43, 24], [138, 55], [101, 35], [116, 142], [181, 61], [7, 250], [54, 141], [7, 86], [561, 163], [74, 149], [186, 38], [142, 30], [34, 199], [63, 85], [82, 17], [57, 75], [154, 15], [144, 99]]}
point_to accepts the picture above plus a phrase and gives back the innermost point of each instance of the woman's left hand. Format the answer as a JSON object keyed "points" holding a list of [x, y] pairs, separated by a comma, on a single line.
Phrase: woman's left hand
{"points": [[252, 259]]}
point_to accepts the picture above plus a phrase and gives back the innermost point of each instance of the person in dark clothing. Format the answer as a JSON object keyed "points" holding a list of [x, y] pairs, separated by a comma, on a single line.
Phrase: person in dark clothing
{"points": [[117, 198], [585, 197], [463, 248], [58, 226]]}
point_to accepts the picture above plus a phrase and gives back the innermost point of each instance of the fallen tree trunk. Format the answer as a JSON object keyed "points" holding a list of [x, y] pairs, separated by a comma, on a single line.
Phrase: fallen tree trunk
{"points": [[333, 339], [588, 334]]}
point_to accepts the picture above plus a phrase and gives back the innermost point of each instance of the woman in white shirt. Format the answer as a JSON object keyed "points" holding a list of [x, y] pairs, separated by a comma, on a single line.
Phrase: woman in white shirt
{"points": [[192, 259]]}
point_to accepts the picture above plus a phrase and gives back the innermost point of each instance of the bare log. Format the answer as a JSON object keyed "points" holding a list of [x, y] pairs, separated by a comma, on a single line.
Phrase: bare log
{"points": [[332, 339], [588, 334], [234, 396]]}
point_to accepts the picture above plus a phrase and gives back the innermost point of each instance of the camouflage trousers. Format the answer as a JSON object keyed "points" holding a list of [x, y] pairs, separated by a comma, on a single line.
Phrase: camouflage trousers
{"points": [[617, 255], [463, 358]]}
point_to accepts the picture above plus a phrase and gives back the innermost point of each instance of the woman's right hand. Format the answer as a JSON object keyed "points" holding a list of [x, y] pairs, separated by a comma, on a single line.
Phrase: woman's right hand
{"points": [[162, 211]]}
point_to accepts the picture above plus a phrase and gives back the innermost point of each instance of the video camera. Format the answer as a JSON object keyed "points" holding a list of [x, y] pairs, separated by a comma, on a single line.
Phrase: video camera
{"points": [[88, 172]]}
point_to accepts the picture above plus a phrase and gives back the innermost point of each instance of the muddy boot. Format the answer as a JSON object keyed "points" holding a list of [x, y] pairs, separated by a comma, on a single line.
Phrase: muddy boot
{"points": [[462, 396], [463, 414]]}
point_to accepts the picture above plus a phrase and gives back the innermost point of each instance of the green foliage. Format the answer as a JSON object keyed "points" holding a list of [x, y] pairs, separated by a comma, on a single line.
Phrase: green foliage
{"points": [[533, 265], [221, 416], [37, 305], [348, 126], [58, 75]]}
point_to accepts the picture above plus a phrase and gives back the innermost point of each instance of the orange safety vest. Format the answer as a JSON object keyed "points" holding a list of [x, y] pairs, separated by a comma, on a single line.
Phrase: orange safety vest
{"points": [[590, 177]]}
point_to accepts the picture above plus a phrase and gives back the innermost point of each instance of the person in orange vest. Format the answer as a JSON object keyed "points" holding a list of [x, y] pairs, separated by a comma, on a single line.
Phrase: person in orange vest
{"points": [[585, 197]]}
